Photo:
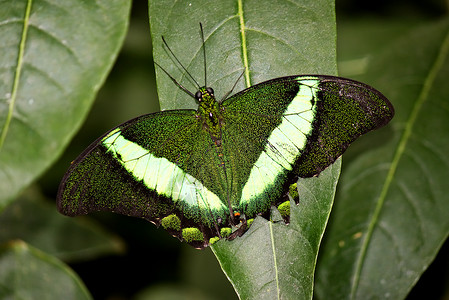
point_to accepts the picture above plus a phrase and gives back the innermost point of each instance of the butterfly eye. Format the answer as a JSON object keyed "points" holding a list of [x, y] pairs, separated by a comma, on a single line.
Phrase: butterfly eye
{"points": [[210, 90], [198, 96]]}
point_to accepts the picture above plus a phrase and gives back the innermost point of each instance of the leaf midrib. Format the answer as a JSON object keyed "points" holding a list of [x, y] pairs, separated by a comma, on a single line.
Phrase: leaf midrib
{"points": [[423, 96], [12, 100], [244, 45], [248, 84], [274, 259]]}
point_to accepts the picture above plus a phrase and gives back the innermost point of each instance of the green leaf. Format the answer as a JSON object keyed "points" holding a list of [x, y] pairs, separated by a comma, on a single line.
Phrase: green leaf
{"points": [[240, 37], [55, 56], [275, 261], [392, 216], [271, 260], [35, 221], [27, 273]]}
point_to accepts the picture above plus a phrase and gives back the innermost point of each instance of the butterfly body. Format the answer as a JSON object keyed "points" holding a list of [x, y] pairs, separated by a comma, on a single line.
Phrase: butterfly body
{"points": [[194, 172]]}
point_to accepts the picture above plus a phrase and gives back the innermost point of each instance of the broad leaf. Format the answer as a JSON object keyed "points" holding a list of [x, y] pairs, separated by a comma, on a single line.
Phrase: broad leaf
{"points": [[271, 260], [35, 221], [55, 56], [301, 41], [27, 273], [275, 261], [392, 214]]}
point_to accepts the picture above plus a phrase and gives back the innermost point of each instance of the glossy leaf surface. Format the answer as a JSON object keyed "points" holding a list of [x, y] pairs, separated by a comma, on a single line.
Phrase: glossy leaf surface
{"points": [[265, 51], [32, 218], [390, 218], [27, 273], [54, 57]]}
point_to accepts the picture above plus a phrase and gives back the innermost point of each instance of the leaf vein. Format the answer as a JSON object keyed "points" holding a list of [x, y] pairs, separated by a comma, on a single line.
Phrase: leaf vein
{"points": [[15, 86], [274, 260], [244, 43]]}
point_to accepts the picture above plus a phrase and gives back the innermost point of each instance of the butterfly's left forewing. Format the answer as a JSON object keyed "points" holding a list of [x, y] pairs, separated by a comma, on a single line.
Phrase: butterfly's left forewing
{"points": [[161, 167]]}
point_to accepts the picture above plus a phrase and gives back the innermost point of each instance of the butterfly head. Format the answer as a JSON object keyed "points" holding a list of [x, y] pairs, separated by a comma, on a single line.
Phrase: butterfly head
{"points": [[204, 93]]}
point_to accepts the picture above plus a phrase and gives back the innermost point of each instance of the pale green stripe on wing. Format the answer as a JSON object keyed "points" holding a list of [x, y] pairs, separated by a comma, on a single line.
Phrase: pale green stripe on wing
{"points": [[285, 142], [161, 175]]}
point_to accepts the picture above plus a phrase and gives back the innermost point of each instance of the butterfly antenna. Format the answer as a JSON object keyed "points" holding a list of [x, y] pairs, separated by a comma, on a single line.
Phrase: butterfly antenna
{"points": [[174, 80], [182, 66], [233, 87], [204, 54]]}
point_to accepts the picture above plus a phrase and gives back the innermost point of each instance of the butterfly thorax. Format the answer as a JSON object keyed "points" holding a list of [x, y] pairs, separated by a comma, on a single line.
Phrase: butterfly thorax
{"points": [[209, 113]]}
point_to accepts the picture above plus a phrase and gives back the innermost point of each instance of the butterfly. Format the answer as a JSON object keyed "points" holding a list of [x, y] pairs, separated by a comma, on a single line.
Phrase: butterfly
{"points": [[204, 174]]}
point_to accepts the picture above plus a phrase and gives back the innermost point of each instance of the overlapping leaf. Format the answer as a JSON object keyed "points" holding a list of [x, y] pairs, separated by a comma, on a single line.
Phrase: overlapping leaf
{"points": [[392, 214], [27, 273], [54, 57], [271, 261]]}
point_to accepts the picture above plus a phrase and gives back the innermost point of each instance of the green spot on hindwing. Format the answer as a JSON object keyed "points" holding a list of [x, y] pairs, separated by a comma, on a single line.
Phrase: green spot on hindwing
{"points": [[171, 222], [225, 232], [293, 191], [192, 234], [213, 240], [284, 209]]}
